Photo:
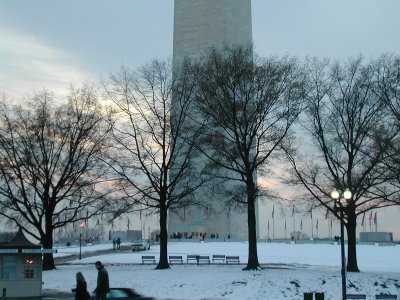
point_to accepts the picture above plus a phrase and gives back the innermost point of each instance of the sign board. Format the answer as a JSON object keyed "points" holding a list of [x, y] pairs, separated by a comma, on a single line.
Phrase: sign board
{"points": [[41, 251], [8, 250]]}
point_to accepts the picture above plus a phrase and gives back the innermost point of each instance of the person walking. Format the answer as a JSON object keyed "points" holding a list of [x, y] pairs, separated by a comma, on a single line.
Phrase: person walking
{"points": [[114, 243], [102, 282], [118, 243], [80, 291]]}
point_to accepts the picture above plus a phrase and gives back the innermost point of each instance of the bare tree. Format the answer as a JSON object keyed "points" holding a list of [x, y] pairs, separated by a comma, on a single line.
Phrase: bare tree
{"points": [[343, 119], [154, 145], [249, 105], [387, 71], [50, 164]]}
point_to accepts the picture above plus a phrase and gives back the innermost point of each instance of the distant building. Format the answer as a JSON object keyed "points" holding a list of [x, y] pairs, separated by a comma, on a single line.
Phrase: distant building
{"points": [[376, 237], [126, 236]]}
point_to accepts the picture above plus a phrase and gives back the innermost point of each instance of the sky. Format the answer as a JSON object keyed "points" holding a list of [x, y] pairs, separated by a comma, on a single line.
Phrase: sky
{"points": [[53, 44]]}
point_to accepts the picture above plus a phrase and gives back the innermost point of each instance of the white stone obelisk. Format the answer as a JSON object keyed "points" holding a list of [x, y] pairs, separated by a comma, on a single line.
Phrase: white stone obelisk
{"points": [[200, 25]]}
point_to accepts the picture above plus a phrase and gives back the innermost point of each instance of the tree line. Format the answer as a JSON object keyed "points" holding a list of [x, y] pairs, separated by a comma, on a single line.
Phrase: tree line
{"points": [[152, 138]]}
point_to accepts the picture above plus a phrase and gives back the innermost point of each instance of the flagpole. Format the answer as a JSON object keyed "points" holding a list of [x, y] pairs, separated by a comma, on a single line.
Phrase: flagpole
{"points": [[87, 224], [294, 224], [102, 226], [273, 228], [273, 222], [312, 226], [144, 228], [293, 219], [364, 225], [370, 223], [141, 224], [329, 229], [363, 222], [285, 229]]}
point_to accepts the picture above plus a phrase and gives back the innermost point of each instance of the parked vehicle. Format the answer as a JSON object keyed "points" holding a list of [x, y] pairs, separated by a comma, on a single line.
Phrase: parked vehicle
{"points": [[125, 294], [140, 245]]}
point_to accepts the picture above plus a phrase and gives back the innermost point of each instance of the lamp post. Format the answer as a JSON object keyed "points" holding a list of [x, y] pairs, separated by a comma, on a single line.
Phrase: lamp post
{"points": [[80, 245], [80, 239], [341, 206]]}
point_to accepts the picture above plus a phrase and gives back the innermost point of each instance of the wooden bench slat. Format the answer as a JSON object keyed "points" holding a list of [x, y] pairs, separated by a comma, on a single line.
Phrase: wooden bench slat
{"points": [[232, 259], [198, 258], [203, 259], [148, 258], [356, 296], [217, 257], [385, 296], [175, 258], [191, 257]]}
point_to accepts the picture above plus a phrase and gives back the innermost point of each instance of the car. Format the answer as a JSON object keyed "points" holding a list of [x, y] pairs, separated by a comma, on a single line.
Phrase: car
{"points": [[140, 245], [124, 294]]}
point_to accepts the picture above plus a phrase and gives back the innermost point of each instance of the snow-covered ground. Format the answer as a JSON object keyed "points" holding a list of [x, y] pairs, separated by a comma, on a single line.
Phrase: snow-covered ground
{"points": [[290, 270]]}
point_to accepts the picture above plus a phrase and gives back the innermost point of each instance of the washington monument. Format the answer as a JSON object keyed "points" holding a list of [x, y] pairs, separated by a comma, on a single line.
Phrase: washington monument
{"points": [[200, 25]]}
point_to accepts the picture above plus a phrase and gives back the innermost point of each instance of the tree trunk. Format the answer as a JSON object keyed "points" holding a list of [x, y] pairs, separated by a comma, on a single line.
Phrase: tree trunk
{"points": [[351, 241], [252, 263], [47, 242], [163, 261]]}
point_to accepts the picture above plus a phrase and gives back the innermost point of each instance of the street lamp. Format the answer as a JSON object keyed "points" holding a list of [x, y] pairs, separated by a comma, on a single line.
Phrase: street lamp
{"points": [[80, 239], [80, 245], [341, 206]]}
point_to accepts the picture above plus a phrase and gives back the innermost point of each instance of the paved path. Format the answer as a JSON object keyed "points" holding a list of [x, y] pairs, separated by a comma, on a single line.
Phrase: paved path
{"points": [[62, 260]]}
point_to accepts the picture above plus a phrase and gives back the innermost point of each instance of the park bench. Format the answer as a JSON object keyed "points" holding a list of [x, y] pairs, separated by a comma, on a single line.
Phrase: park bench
{"points": [[203, 259], [356, 296], [217, 257], [191, 258], [310, 295], [175, 259], [148, 259], [199, 259], [232, 260], [386, 296]]}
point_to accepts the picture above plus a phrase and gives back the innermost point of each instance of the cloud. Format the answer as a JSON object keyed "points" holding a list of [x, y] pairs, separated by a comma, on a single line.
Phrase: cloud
{"points": [[27, 64]]}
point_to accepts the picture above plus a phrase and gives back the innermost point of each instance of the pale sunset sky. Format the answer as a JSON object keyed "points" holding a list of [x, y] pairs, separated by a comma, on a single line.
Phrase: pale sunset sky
{"points": [[55, 43]]}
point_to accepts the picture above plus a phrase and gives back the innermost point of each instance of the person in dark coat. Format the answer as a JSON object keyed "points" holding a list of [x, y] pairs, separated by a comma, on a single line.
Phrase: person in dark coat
{"points": [[118, 243], [81, 292], [102, 282]]}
